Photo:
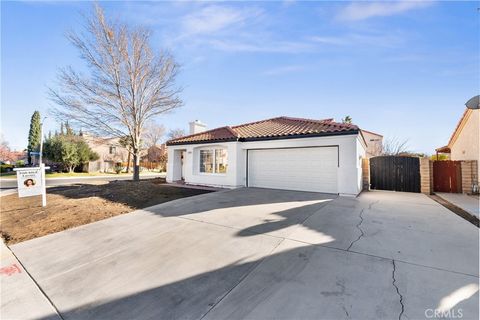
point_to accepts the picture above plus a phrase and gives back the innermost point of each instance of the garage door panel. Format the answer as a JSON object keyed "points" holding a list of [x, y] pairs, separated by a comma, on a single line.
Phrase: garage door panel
{"points": [[303, 169]]}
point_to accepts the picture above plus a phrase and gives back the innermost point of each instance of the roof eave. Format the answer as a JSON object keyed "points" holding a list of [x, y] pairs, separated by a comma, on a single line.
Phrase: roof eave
{"points": [[200, 142], [296, 136]]}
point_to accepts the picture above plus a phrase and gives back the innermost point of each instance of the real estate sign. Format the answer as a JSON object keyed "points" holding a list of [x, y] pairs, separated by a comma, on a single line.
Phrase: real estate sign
{"points": [[29, 181]]}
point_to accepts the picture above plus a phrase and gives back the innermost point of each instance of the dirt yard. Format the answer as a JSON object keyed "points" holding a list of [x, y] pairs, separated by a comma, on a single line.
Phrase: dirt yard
{"points": [[70, 206]]}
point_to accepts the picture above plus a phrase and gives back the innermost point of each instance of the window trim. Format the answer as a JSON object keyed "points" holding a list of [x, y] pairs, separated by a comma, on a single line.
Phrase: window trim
{"points": [[214, 162]]}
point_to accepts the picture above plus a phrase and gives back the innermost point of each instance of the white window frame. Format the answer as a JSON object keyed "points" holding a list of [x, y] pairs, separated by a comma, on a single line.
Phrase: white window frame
{"points": [[214, 164]]}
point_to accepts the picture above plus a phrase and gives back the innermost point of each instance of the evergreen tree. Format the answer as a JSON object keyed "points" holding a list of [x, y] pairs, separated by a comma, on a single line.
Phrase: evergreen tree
{"points": [[68, 129], [34, 135]]}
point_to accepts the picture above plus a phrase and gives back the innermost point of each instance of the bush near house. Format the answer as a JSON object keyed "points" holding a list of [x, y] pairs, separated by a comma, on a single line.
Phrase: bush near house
{"points": [[441, 156], [4, 167], [69, 150]]}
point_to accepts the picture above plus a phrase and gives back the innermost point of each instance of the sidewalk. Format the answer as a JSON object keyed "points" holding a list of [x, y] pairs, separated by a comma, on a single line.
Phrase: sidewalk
{"points": [[463, 201], [111, 175], [20, 297]]}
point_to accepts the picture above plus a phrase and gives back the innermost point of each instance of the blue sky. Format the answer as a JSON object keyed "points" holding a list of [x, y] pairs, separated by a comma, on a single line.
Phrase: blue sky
{"points": [[402, 69]]}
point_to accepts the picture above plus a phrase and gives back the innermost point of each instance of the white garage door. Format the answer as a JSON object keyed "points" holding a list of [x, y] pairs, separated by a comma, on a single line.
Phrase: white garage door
{"points": [[303, 169]]}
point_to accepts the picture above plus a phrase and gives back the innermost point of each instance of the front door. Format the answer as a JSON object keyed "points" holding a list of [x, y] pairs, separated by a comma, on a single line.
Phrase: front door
{"points": [[183, 159]]}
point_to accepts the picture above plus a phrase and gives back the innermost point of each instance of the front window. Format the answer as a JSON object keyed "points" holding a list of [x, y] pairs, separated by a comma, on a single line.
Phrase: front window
{"points": [[213, 161], [220, 161], [206, 161]]}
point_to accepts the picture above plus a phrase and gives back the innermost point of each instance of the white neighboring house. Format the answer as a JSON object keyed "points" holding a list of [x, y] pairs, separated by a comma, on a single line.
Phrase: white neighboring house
{"points": [[279, 153]]}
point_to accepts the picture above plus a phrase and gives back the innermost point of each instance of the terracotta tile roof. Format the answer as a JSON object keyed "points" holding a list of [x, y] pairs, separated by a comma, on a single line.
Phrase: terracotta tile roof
{"points": [[271, 128]]}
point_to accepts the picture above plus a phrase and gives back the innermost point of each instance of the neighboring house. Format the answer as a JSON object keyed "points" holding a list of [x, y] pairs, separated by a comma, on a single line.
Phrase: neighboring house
{"points": [[109, 150], [156, 157], [280, 153], [464, 142], [155, 153], [374, 143]]}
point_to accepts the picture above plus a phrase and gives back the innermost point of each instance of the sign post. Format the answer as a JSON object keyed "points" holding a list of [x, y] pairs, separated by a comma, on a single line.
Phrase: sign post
{"points": [[31, 182]]}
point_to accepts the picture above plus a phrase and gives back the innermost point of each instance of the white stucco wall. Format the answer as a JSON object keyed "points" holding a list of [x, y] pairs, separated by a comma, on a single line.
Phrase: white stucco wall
{"points": [[351, 150], [192, 174], [466, 144]]}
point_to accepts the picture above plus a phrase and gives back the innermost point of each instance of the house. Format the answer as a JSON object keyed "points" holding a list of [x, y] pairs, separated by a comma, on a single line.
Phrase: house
{"points": [[280, 153], [156, 157], [109, 150], [464, 141], [374, 143]]}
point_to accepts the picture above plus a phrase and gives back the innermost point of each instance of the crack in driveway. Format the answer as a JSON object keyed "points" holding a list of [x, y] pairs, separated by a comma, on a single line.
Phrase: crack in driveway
{"points": [[360, 223], [358, 227], [398, 291]]}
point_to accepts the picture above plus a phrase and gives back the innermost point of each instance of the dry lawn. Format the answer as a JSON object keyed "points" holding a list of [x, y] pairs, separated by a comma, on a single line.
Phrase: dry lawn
{"points": [[70, 206]]}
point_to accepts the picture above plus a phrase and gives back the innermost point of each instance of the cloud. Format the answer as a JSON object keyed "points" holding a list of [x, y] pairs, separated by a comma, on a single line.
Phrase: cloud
{"points": [[376, 39], [268, 45], [364, 10], [330, 40], [284, 70], [215, 18]]}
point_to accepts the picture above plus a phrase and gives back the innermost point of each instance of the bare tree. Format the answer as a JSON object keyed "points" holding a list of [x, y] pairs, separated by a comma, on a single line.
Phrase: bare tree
{"points": [[128, 84], [152, 134], [394, 146], [176, 133]]}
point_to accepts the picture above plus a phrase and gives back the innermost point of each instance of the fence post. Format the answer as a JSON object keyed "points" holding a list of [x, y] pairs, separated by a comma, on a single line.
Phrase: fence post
{"points": [[426, 176], [469, 175], [366, 174]]}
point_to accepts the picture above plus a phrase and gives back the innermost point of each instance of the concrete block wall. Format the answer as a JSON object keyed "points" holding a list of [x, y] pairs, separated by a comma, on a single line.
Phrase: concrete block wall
{"points": [[469, 175], [426, 176], [366, 174]]}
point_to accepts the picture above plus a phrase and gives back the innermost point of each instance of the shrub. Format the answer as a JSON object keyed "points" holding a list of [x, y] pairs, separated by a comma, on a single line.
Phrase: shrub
{"points": [[69, 150], [6, 168], [118, 167], [20, 163]]}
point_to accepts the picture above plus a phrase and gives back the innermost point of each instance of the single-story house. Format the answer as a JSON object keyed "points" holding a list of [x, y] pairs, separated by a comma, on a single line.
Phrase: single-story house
{"points": [[280, 153], [464, 143]]}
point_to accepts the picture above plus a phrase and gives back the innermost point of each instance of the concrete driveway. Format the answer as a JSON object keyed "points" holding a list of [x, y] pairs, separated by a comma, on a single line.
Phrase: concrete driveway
{"points": [[259, 253]]}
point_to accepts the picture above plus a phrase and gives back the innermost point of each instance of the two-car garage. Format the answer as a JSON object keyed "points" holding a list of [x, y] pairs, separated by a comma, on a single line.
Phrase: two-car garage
{"points": [[303, 169], [278, 153]]}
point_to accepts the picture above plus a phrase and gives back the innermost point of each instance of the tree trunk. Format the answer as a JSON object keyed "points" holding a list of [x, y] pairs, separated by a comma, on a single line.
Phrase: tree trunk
{"points": [[128, 160], [136, 165]]}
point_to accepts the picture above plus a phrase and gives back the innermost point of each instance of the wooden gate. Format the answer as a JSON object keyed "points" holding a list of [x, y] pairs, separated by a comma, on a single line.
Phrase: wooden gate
{"points": [[395, 173], [447, 176]]}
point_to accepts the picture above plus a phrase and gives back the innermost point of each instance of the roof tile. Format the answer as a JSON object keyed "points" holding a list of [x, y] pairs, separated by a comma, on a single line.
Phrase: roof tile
{"points": [[269, 128]]}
